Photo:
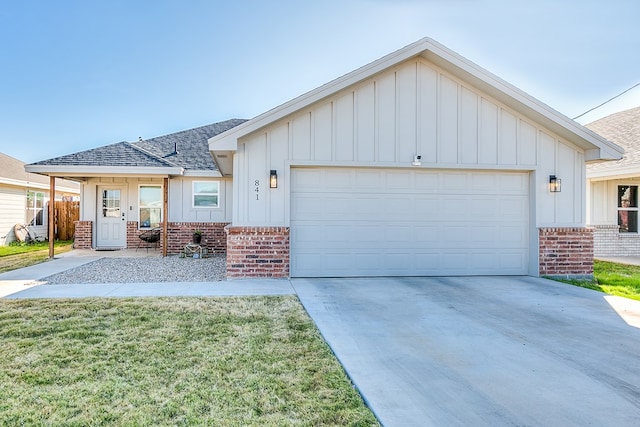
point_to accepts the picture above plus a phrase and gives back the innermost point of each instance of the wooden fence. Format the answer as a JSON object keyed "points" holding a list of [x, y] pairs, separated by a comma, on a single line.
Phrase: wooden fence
{"points": [[66, 213]]}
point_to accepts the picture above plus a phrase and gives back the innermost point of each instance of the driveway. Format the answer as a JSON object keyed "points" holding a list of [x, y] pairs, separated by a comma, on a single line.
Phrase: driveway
{"points": [[481, 350]]}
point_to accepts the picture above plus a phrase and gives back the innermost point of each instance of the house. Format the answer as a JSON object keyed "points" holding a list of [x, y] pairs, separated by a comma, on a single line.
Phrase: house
{"points": [[24, 198], [420, 163], [613, 188], [168, 182]]}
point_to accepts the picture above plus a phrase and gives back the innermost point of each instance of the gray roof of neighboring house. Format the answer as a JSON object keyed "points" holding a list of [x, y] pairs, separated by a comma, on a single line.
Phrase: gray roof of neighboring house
{"points": [[192, 151], [623, 129], [13, 169]]}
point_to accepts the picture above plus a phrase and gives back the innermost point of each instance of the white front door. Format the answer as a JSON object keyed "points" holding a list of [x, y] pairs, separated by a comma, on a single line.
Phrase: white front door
{"points": [[111, 224]]}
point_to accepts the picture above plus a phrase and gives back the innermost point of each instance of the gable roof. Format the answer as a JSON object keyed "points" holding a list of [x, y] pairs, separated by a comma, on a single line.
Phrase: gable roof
{"points": [[596, 147], [622, 128], [174, 154], [12, 172]]}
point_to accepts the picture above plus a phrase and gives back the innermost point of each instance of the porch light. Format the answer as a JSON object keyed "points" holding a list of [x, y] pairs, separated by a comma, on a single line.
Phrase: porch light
{"points": [[273, 179], [555, 184]]}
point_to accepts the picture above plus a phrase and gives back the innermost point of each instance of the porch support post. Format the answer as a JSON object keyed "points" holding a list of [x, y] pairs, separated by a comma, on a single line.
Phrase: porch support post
{"points": [[52, 213], [165, 204]]}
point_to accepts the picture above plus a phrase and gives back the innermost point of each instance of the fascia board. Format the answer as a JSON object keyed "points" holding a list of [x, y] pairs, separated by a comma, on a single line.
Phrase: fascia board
{"points": [[17, 182], [203, 173], [67, 170], [30, 184], [618, 173], [600, 154]]}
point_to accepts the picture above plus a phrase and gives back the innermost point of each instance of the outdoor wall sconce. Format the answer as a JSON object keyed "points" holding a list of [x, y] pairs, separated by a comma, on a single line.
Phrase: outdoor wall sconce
{"points": [[555, 184], [273, 179]]}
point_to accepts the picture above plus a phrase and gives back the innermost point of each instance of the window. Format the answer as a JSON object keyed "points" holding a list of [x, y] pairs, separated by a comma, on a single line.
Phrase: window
{"points": [[35, 208], [628, 208], [205, 194], [150, 205], [111, 203]]}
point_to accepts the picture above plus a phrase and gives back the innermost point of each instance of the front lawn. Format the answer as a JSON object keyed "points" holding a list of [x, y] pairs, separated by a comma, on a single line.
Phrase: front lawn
{"points": [[23, 255], [614, 279], [252, 361]]}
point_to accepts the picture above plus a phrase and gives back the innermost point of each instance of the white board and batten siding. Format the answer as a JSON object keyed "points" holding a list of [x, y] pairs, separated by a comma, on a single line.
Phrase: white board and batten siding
{"points": [[180, 198], [181, 207], [414, 108]]}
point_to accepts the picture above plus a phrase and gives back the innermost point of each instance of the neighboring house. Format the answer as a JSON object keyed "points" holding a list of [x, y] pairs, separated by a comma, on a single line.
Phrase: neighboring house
{"points": [[613, 188], [24, 198], [130, 187], [420, 163]]}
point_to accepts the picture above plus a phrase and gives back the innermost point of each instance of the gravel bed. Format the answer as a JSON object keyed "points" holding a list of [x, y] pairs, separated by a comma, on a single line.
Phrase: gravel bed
{"points": [[144, 270]]}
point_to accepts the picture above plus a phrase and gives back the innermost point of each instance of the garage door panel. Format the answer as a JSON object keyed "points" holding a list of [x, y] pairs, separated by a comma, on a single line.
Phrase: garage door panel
{"points": [[377, 222], [512, 236]]}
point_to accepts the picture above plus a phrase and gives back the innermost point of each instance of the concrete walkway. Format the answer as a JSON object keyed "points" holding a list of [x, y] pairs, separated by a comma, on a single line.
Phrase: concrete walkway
{"points": [[631, 260], [21, 279], [26, 282], [159, 289]]}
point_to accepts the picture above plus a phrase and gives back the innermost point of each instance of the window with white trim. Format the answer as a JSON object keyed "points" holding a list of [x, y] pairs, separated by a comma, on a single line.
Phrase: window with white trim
{"points": [[206, 194], [628, 208], [150, 206], [35, 208]]}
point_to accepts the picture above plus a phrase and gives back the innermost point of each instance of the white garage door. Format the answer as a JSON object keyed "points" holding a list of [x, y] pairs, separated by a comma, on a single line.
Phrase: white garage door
{"points": [[387, 222]]}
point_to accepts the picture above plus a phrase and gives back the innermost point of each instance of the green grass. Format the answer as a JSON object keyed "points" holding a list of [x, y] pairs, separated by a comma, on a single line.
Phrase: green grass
{"points": [[614, 279], [254, 361], [24, 255]]}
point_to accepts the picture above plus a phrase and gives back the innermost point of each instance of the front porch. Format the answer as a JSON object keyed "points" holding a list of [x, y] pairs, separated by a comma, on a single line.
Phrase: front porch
{"points": [[179, 234]]}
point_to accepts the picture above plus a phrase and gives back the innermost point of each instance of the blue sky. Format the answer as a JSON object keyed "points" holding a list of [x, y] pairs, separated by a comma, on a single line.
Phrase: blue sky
{"points": [[76, 75]]}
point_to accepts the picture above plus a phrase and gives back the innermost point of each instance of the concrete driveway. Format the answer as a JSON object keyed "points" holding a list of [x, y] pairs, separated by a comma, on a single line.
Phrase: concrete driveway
{"points": [[481, 350]]}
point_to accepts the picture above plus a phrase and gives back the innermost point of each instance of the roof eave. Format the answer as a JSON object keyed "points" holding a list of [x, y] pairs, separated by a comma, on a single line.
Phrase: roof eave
{"points": [[618, 173], [31, 184], [95, 171], [202, 173]]}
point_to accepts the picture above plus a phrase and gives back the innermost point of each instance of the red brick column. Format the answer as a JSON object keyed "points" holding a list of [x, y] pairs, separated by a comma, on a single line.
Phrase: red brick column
{"points": [[566, 252], [257, 252], [132, 234], [83, 236]]}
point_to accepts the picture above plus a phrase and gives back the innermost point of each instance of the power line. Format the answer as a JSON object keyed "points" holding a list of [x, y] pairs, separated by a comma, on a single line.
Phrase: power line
{"points": [[607, 101]]}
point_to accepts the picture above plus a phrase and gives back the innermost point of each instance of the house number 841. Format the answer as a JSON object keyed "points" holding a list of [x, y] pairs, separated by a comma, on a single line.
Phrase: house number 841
{"points": [[256, 183]]}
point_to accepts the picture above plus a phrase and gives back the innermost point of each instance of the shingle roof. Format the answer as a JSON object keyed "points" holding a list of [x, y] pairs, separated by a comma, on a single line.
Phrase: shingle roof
{"points": [[13, 169], [192, 151], [623, 129]]}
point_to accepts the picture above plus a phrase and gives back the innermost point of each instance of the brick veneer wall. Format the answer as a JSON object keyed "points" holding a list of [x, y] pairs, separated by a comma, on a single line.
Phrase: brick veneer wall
{"points": [[181, 233], [566, 252], [257, 252], [83, 237], [134, 242], [608, 241]]}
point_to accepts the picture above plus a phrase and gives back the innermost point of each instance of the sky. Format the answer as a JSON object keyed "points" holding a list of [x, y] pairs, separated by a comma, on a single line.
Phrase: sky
{"points": [[76, 75]]}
